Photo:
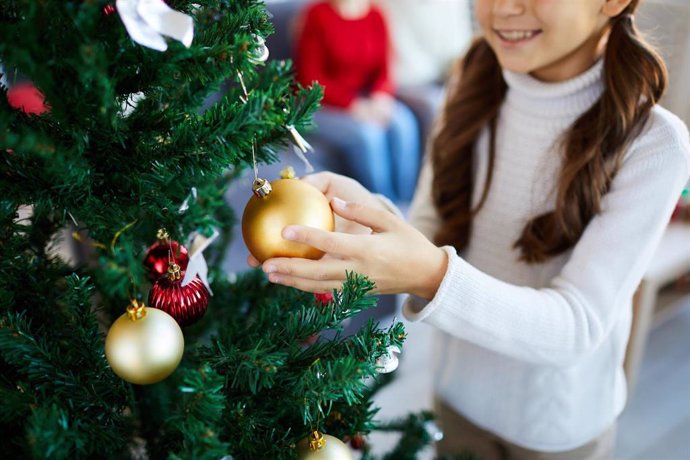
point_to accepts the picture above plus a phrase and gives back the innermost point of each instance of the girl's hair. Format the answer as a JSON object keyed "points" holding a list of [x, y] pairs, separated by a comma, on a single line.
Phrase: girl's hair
{"points": [[593, 147]]}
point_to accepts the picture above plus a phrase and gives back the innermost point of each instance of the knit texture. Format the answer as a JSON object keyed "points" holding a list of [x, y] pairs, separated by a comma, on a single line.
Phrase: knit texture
{"points": [[534, 353]]}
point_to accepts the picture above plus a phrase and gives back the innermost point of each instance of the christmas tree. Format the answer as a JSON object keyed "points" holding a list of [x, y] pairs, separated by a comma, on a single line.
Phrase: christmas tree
{"points": [[124, 151]]}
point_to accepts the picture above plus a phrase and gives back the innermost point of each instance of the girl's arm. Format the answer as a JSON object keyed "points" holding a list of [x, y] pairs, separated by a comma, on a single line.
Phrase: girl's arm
{"points": [[573, 315], [556, 325]]}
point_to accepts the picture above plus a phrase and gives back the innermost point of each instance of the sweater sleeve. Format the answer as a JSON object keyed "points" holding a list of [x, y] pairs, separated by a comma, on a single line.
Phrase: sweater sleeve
{"points": [[570, 318], [383, 80], [311, 59]]}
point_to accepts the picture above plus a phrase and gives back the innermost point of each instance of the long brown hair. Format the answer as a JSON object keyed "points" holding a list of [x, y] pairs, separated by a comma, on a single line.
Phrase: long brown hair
{"points": [[593, 147]]}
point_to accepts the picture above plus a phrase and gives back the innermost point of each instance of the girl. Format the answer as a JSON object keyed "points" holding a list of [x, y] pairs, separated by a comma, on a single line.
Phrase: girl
{"points": [[344, 46], [551, 178]]}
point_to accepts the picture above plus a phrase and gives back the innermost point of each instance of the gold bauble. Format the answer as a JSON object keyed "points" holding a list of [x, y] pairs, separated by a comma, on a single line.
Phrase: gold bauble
{"points": [[319, 446], [290, 202], [144, 345]]}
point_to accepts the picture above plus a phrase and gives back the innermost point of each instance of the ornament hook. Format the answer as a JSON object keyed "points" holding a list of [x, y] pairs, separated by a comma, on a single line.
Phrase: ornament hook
{"points": [[136, 310], [174, 272], [261, 188], [316, 441]]}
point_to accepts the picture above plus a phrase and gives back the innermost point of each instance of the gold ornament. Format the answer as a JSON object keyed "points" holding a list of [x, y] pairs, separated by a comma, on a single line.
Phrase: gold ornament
{"points": [[287, 202], [144, 345], [323, 447]]}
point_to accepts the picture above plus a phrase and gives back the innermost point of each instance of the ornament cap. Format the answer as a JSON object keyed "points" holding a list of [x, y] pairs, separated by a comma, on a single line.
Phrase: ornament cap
{"points": [[288, 173], [261, 188], [136, 310], [316, 441], [174, 272], [162, 235]]}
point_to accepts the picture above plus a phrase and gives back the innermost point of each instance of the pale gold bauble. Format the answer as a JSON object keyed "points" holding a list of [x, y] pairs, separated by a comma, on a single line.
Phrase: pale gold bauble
{"points": [[291, 202], [323, 447], [144, 345]]}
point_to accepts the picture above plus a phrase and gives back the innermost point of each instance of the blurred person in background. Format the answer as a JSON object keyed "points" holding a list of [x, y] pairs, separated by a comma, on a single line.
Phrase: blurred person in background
{"points": [[344, 45]]}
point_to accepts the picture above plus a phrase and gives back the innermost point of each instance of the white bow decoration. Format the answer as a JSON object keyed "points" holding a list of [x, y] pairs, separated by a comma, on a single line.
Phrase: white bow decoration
{"points": [[300, 147], [197, 263], [185, 204], [147, 21]]}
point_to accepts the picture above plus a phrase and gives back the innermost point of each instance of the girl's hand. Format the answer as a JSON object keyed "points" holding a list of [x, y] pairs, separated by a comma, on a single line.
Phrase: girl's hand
{"points": [[396, 257], [336, 186]]}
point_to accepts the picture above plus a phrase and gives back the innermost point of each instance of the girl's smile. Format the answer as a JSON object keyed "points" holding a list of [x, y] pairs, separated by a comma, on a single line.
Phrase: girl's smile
{"points": [[512, 38]]}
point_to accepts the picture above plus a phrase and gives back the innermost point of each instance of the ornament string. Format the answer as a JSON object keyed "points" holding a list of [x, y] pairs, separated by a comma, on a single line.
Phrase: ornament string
{"points": [[245, 97], [254, 163], [74, 221], [319, 409]]}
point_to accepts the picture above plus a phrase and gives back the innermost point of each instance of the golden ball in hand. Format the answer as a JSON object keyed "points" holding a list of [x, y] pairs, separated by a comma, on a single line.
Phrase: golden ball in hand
{"points": [[291, 202], [144, 348]]}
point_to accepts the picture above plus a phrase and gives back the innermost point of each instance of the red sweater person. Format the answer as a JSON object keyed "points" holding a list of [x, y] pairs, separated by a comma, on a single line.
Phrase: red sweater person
{"points": [[343, 45], [349, 56]]}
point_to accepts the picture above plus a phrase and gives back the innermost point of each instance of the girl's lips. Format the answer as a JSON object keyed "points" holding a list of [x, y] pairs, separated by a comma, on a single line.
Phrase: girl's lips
{"points": [[516, 37]]}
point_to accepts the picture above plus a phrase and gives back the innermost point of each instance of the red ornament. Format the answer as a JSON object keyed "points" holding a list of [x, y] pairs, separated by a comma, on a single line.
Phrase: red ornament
{"points": [[323, 299], [108, 9], [161, 253], [187, 304], [357, 441], [27, 98], [311, 340]]}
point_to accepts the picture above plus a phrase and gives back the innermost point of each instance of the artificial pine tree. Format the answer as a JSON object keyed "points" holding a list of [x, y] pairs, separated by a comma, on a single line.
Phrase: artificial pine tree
{"points": [[125, 139]]}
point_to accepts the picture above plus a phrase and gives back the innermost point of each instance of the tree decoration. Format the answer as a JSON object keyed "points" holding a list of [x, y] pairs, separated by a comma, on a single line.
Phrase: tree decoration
{"points": [[276, 205], [27, 98], [323, 447], [388, 362], [148, 21], [187, 304], [161, 253], [144, 345]]}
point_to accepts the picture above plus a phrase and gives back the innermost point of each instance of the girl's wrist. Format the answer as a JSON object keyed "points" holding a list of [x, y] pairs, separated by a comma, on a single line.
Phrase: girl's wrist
{"points": [[434, 274]]}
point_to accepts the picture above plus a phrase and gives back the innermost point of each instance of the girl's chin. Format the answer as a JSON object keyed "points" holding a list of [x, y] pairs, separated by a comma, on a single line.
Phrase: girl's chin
{"points": [[517, 67]]}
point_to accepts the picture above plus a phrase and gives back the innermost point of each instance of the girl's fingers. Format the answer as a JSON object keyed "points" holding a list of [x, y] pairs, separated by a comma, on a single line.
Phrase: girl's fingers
{"points": [[329, 242], [378, 220], [252, 261], [317, 270], [321, 180], [307, 285]]}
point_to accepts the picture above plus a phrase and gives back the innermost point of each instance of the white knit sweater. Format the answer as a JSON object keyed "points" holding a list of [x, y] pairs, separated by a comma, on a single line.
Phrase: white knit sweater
{"points": [[534, 353]]}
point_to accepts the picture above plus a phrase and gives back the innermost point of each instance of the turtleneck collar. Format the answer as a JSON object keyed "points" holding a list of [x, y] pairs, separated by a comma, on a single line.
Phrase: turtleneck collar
{"points": [[548, 100]]}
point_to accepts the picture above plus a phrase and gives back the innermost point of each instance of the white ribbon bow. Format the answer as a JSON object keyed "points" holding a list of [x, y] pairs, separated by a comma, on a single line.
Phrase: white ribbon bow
{"points": [[197, 263], [185, 204], [147, 21], [300, 147]]}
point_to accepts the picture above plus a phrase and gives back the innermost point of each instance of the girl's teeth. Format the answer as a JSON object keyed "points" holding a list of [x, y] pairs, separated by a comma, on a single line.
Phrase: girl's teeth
{"points": [[516, 35]]}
